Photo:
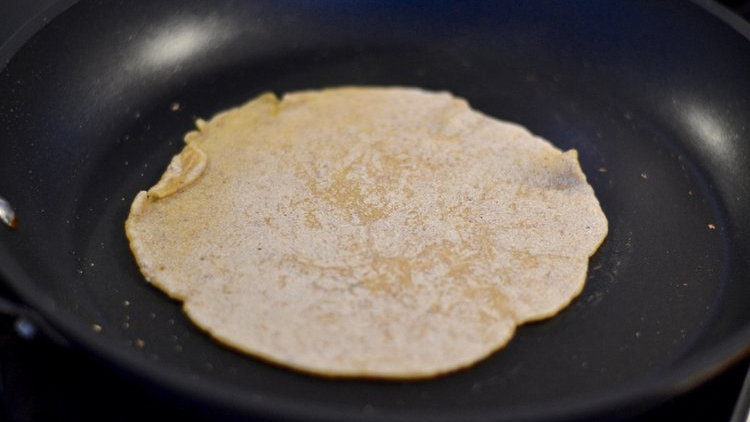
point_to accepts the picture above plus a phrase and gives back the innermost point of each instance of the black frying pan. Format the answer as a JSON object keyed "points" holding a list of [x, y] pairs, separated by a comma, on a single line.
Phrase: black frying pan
{"points": [[654, 95]]}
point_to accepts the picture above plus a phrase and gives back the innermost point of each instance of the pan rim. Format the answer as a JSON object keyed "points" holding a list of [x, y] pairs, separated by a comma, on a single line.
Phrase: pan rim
{"points": [[647, 392]]}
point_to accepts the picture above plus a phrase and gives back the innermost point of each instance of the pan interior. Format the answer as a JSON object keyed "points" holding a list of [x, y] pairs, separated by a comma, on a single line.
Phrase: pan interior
{"points": [[98, 101]]}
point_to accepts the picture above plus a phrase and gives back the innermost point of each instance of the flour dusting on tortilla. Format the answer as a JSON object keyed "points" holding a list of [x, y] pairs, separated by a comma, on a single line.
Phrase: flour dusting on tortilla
{"points": [[377, 232]]}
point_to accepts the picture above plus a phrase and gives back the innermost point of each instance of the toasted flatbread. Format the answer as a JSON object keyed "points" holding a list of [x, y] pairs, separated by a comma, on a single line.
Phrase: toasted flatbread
{"points": [[366, 232]]}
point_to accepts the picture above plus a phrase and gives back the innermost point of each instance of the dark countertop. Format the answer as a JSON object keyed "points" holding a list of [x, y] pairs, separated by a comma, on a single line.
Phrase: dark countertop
{"points": [[41, 381]]}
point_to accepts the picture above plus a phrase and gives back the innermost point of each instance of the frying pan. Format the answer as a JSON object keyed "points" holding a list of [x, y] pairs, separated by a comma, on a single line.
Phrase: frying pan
{"points": [[654, 95]]}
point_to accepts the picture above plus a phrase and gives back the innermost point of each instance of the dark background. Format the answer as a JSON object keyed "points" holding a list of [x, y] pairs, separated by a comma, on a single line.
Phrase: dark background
{"points": [[41, 380]]}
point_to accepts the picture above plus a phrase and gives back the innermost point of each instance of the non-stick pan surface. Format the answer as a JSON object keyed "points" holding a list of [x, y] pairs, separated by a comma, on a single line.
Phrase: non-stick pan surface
{"points": [[654, 95]]}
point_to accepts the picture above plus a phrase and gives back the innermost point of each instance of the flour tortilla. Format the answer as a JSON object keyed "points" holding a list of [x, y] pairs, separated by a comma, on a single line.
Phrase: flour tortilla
{"points": [[366, 232]]}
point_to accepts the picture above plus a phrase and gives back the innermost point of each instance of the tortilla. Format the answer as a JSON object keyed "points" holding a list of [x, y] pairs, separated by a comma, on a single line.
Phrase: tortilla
{"points": [[366, 232]]}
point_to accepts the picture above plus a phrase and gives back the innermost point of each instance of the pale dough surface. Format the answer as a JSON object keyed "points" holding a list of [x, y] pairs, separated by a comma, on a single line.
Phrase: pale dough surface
{"points": [[377, 232]]}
